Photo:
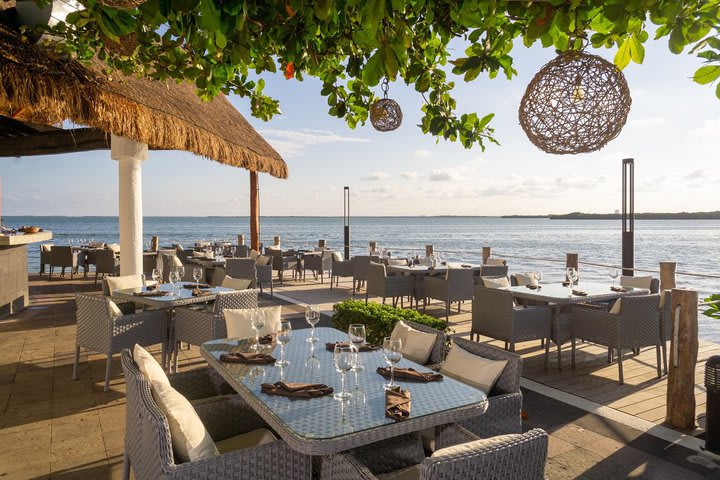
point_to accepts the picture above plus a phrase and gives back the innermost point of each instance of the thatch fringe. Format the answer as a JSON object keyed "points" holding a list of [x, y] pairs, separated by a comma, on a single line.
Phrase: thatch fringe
{"points": [[164, 115]]}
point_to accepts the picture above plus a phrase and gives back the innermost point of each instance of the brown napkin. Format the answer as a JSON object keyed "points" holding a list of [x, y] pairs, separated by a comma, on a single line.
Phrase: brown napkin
{"points": [[579, 293], [246, 357], [151, 293], [267, 339], [365, 348], [397, 403], [533, 287], [296, 389], [565, 283], [192, 286], [616, 288], [199, 293], [410, 374]]}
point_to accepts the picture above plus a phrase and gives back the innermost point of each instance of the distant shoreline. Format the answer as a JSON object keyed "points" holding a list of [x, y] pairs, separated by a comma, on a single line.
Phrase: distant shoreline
{"points": [[616, 216]]}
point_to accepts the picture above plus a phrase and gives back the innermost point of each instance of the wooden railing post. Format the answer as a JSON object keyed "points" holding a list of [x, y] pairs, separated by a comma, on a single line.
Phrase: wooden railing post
{"points": [[276, 240], [485, 254], [667, 276], [429, 250], [241, 239], [683, 357], [321, 243], [373, 246], [155, 244], [571, 261]]}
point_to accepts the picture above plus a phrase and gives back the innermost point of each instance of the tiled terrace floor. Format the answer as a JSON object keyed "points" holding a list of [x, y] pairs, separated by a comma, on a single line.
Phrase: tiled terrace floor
{"points": [[53, 427]]}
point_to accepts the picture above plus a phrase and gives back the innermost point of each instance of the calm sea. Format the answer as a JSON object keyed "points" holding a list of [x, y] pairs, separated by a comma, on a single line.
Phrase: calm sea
{"points": [[692, 244]]}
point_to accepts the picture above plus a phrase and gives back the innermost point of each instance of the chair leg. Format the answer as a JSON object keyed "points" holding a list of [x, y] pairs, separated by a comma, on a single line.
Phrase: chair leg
{"points": [[108, 367], [573, 353], [77, 361], [506, 345], [96, 275], [620, 370], [366, 297], [657, 354], [547, 352], [126, 467], [559, 355], [663, 346], [447, 310]]}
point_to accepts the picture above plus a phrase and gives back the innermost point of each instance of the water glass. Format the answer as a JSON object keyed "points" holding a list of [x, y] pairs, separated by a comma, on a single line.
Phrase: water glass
{"points": [[172, 278], [232, 251], [357, 336], [392, 349], [571, 274], [312, 363], [312, 317], [257, 322], [181, 273], [538, 276], [197, 274], [343, 360], [157, 276], [613, 274], [283, 337]]}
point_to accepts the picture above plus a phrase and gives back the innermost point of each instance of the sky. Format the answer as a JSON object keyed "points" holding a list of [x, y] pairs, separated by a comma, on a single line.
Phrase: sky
{"points": [[672, 132]]}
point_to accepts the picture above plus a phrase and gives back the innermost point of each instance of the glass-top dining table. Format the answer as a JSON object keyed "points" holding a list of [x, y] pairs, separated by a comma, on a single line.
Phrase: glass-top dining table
{"points": [[324, 425]]}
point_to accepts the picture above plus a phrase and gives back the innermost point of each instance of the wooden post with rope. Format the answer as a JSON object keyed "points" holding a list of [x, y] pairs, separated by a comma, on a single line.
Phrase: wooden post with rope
{"points": [[667, 276], [683, 358], [485, 254]]}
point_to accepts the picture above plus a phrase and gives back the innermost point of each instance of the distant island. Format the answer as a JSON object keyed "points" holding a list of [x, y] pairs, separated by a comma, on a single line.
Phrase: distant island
{"points": [[616, 216]]}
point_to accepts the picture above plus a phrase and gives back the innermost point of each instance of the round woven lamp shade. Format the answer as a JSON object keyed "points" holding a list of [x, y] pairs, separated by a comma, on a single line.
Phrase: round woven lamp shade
{"points": [[385, 115], [576, 103]]}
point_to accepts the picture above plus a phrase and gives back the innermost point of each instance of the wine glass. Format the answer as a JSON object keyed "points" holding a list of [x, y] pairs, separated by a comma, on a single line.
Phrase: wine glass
{"points": [[343, 359], [392, 349], [257, 322], [312, 363], [538, 276], [172, 278], [283, 337], [613, 274], [233, 249], [181, 273], [571, 274], [312, 316], [197, 274], [356, 335], [156, 276]]}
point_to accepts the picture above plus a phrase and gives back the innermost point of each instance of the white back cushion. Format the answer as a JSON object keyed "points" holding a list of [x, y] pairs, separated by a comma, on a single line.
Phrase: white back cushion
{"points": [[190, 440], [113, 309], [498, 282], [616, 306], [237, 321], [526, 279], [123, 282], [149, 367], [236, 283], [416, 345], [337, 256], [472, 369], [636, 282], [496, 262]]}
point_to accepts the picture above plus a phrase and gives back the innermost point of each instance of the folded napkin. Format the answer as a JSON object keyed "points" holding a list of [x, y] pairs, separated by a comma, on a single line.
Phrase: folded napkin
{"points": [[198, 293], [533, 287], [464, 265], [565, 283], [267, 339], [616, 288], [192, 286], [410, 374], [579, 293], [296, 389], [397, 403], [246, 357], [365, 348], [151, 293]]}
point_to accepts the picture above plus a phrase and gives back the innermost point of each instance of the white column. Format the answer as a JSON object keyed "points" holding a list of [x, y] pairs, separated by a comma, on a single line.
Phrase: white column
{"points": [[130, 155]]}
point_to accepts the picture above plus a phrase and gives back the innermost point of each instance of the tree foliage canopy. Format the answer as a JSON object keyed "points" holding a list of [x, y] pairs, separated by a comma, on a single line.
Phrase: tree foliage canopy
{"points": [[351, 45]]}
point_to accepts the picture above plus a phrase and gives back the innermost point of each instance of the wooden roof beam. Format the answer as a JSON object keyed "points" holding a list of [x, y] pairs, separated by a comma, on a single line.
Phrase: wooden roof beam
{"points": [[55, 142]]}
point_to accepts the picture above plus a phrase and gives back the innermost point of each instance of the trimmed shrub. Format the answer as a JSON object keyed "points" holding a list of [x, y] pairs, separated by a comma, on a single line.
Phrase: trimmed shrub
{"points": [[379, 319]]}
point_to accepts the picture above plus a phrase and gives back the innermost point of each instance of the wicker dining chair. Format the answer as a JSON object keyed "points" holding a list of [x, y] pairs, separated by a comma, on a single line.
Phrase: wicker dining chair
{"points": [[437, 354], [148, 445], [242, 268], [456, 286], [45, 256], [281, 262], [265, 275], [101, 330], [361, 265], [318, 264], [106, 263], [63, 257], [519, 456], [341, 268], [379, 284], [637, 325]]}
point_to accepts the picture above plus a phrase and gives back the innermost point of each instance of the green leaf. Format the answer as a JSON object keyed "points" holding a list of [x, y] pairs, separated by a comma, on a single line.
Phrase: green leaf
{"points": [[706, 74], [677, 40], [220, 40], [322, 9], [717, 91], [623, 55], [391, 62], [637, 50], [374, 70]]}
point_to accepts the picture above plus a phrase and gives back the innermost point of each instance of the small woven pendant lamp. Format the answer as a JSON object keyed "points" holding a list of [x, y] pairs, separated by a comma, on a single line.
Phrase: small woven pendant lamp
{"points": [[576, 103], [385, 114]]}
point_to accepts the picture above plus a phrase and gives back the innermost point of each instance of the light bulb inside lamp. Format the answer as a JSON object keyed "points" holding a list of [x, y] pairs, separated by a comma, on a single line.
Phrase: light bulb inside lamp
{"points": [[578, 94]]}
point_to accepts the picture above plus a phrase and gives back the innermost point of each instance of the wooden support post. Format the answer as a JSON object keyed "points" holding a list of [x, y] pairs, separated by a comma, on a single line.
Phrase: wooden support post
{"points": [[485, 254], [321, 243], [155, 244], [571, 260], [429, 250], [241, 239], [683, 357], [667, 276], [254, 211], [373, 246], [276, 240]]}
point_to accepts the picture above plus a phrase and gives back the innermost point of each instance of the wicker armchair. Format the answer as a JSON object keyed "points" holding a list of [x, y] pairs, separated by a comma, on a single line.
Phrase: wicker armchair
{"points": [[318, 264], [504, 400], [99, 331], [495, 315], [380, 285], [652, 284], [437, 354], [491, 271], [281, 263], [265, 276], [63, 257], [45, 256], [148, 446], [518, 457], [341, 268], [242, 268], [456, 286], [636, 326], [361, 266], [105, 263]]}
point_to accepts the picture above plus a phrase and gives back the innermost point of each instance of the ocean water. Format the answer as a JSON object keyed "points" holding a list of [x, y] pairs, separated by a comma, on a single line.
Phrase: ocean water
{"points": [[693, 244]]}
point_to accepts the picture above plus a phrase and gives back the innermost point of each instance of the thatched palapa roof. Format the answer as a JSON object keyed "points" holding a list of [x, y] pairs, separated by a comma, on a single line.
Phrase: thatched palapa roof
{"points": [[39, 88]]}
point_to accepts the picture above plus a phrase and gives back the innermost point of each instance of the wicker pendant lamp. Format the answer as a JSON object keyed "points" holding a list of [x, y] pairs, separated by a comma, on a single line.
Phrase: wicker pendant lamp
{"points": [[576, 103], [385, 114]]}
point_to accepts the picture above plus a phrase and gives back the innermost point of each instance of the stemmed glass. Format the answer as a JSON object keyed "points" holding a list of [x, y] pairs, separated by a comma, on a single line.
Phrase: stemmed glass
{"points": [[283, 337], [392, 348], [232, 251], [312, 316], [571, 276], [180, 273], [613, 274], [197, 274], [257, 322], [312, 363], [172, 278], [356, 335], [343, 359], [157, 276], [538, 276]]}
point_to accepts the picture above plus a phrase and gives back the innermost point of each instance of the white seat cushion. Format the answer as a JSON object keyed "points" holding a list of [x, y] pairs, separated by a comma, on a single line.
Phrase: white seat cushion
{"points": [[113, 309], [526, 279], [255, 438], [499, 282], [254, 254], [236, 283], [121, 283], [465, 448], [397, 261], [472, 369], [337, 256], [237, 321], [263, 260], [190, 440], [408, 473], [495, 262], [149, 367], [416, 345], [616, 307], [636, 282]]}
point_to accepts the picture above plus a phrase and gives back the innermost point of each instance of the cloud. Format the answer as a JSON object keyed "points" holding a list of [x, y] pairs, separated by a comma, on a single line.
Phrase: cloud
{"points": [[440, 176], [645, 122], [420, 153], [291, 143], [709, 128], [695, 175], [410, 175], [376, 177]]}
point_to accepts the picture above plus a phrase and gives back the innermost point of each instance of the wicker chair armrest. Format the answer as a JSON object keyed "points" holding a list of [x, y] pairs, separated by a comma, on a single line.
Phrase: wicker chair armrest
{"points": [[596, 306], [502, 416], [228, 416], [344, 465], [391, 454], [147, 316], [452, 434], [435, 366]]}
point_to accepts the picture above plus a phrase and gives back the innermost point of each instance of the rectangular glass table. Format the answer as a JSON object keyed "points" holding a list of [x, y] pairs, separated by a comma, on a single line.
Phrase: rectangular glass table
{"points": [[321, 426]]}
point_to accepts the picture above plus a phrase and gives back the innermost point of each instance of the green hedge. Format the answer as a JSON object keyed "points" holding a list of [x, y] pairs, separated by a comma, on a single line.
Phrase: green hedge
{"points": [[379, 319]]}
